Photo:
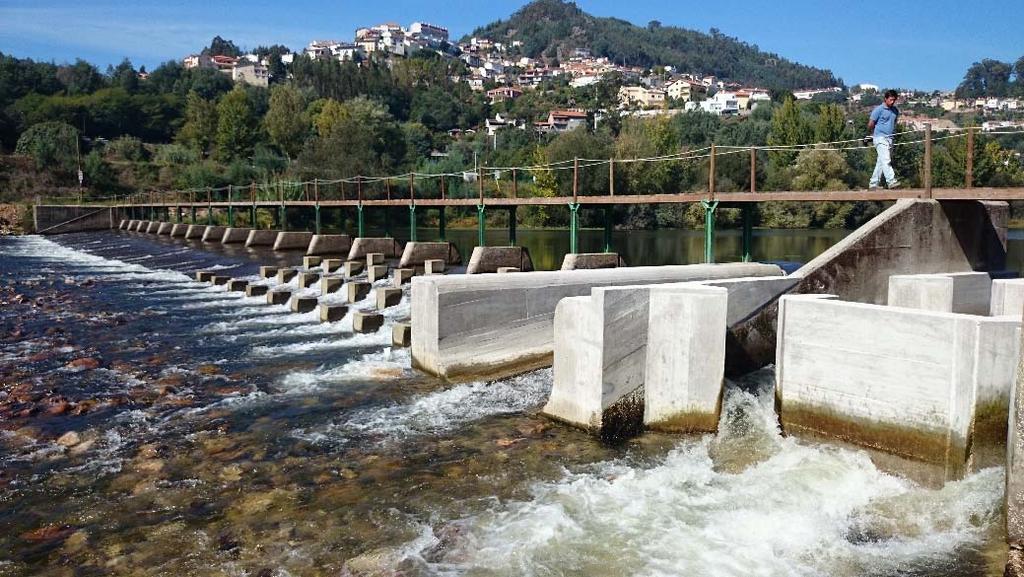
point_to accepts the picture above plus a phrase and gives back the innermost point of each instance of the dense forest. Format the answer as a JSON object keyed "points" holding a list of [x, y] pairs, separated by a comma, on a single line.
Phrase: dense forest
{"points": [[131, 130], [554, 29]]}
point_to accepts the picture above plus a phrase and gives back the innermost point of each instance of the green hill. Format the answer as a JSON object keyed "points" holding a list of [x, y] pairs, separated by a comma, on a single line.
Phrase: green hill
{"points": [[554, 29]]}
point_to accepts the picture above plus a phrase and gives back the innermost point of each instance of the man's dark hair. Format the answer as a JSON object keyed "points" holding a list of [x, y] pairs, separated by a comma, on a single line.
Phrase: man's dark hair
{"points": [[892, 93]]}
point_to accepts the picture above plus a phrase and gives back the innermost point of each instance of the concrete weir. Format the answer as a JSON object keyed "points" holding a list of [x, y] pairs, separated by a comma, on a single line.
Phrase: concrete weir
{"points": [[179, 230], [363, 246], [261, 238], [164, 229], [213, 233], [929, 386], [141, 225], [235, 235], [329, 245], [195, 231], [416, 254], [491, 258], [292, 240], [152, 227], [589, 260], [467, 326]]}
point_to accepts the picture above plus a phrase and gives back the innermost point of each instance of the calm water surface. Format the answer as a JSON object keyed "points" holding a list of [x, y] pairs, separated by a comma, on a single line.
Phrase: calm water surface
{"points": [[151, 425]]}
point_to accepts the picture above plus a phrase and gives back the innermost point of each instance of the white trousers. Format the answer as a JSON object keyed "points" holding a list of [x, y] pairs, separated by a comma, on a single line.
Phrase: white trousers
{"points": [[883, 166]]}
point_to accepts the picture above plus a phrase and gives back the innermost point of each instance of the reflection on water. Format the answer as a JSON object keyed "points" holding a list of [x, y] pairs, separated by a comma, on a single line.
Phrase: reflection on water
{"points": [[152, 425]]}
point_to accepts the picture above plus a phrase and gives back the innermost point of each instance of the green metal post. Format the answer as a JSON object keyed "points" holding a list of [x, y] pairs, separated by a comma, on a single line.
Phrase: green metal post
{"points": [[481, 225], [283, 217], [574, 224], [512, 226], [709, 229], [608, 228], [231, 209], [316, 209], [209, 214], [193, 214], [359, 219], [412, 222], [152, 213], [252, 216], [748, 231], [442, 221]]}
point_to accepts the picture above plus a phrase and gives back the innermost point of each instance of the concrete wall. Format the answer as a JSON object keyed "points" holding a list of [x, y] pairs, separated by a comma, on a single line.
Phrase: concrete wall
{"points": [[966, 292], [417, 253], [487, 259], [57, 219], [235, 235], [589, 260], [329, 245], [363, 246], [928, 386], [911, 237], [1015, 460], [1007, 297], [261, 238], [292, 240], [495, 325]]}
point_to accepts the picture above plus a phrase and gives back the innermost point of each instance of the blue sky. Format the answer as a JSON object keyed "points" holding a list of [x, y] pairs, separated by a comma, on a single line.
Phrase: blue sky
{"points": [[905, 44]]}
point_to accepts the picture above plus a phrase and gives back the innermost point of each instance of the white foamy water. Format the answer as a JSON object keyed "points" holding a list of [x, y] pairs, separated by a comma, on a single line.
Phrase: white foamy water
{"points": [[797, 510], [435, 413]]}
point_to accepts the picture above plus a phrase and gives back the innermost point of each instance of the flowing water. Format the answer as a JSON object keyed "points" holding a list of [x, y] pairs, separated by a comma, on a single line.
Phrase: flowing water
{"points": [[152, 425]]}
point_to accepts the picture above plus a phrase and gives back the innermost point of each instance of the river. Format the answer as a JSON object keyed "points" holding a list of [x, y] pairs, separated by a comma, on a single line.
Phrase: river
{"points": [[152, 425]]}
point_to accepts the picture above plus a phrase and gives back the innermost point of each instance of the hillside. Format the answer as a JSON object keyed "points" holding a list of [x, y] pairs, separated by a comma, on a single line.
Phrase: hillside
{"points": [[554, 29]]}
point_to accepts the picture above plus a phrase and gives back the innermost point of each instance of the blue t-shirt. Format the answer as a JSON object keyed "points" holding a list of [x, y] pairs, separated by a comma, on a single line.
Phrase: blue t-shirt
{"points": [[885, 120]]}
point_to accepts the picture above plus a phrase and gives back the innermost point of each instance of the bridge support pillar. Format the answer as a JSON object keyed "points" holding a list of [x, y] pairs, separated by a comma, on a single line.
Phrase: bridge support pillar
{"points": [[231, 216], [252, 216], [574, 226], [481, 224], [608, 224], [748, 231], [512, 226], [360, 221], [282, 216], [709, 229], [442, 221], [316, 210], [193, 214]]}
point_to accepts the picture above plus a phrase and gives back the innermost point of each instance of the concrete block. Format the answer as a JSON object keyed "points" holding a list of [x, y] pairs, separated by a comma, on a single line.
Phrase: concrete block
{"points": [[195, 231], [434, 266], [416, 254], [164, 229], [237, 285], [374, 259], [311, 261], [1007, 297], [591, 260], [152, 227], [387, 297], [493, 326], [261, 238], [292, 240], [357, 291], [965, 292], [268, 271], [235, 235], [308, 279], [204, 275], [352, 268], [332, 313], [361, 247], [330, 285], [331, 264], [213, 234], [490, 258], [507, 269], [329, 245], [376, 272], [256, 290], [278, 297], [141, 225], [1015, 460], [123, 224], [403, 275], [303, 304], [365, 322], [930, 386], [285, 275], [401, 335], [179, 230], [220, 280]]}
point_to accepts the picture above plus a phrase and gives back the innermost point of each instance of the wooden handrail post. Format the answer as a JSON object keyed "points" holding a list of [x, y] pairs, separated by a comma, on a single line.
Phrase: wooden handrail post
{"points": [[387, 186], [316, 190], [969, 173], [753, 170], [928, 158], [412, 186], [515, 189], [575, 179], [611, 177], [480, 183]]}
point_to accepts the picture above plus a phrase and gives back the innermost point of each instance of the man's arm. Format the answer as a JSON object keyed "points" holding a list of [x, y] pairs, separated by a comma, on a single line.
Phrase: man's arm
{"points": [[871, 127]]}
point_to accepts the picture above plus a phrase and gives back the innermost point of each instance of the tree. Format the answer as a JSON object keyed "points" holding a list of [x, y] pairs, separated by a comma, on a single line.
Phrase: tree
{"points": [[286, 120], [986, 78], [831, 124], [820, 170], [237, 130], [124, 75], [221, 47], [50, 144], [80, 78], [788, 128], [200, 128]]}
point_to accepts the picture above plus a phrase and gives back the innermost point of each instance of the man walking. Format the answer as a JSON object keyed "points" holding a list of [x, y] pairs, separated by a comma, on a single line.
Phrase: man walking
{"points": [[882, 126]]}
